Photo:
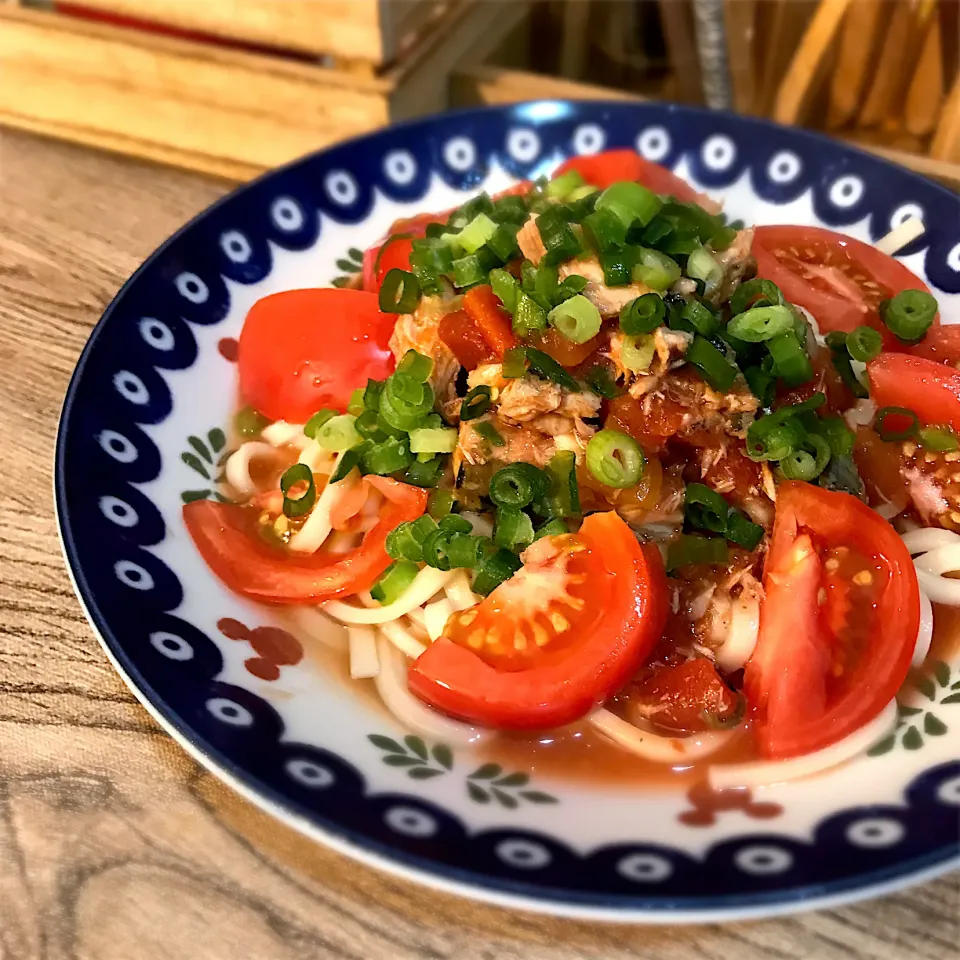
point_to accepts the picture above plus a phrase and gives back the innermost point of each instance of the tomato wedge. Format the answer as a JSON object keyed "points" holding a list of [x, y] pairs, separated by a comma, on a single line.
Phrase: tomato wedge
{"points": [[461, 335], [841, 281], [833, 562], [302, 350], [564, 634], [612, 166], [942, 343], [226, 536], [493, 322], [930, 389]]}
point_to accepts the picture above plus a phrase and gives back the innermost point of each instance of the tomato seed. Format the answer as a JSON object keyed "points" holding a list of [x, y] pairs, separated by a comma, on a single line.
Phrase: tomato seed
{"points": [[832, 565], [863, 579]]}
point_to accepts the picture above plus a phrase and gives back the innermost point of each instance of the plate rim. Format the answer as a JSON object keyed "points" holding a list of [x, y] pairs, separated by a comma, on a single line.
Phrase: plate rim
{"points": [[530, 896]]}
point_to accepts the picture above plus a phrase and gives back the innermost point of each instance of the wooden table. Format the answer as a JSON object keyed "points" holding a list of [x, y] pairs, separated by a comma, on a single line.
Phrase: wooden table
{"points": [[114, 845]]}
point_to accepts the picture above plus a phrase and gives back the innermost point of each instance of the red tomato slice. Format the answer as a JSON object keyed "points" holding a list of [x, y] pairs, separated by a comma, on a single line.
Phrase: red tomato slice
{"points": [[493, 322], [807, 683], [564, 351], [612, 166], [302, 350], [564, 634], [226, 536], [461, 335], [841, 281], [930, 389], [942, 343]]}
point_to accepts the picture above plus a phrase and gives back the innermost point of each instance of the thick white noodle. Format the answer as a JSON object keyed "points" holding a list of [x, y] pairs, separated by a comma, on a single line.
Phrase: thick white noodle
{"points": [[458, 592], [482, 527], [311, 622], [925, 632], [310, 537], [364, 661], [317, 458], [391, 683], [658, 749], [939, 589], [742, 635], [282, 434], [402, 639], [900, 236], [436, 615], [924, 539], [766, 772], [932, 566], [237, 468], [418, 620], [861, 414], [426, 583]]}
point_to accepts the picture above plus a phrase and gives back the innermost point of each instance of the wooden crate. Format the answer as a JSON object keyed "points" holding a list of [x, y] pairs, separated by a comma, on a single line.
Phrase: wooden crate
{"points": [[214, 108]]}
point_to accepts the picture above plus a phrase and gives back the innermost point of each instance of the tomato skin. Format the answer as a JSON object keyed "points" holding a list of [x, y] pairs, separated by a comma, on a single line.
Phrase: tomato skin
{"points": [[564, 351], [302, 350], [461, 335], [942, 344], [788, 680], [844, 308], [611, 166], [494, 323], [567, 685], [651, 430], [225, 534], [930, 389], [394, 253]]}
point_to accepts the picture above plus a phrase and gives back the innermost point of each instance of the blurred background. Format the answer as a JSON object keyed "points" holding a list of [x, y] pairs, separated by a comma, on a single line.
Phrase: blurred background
{"points": [[233, 87]]}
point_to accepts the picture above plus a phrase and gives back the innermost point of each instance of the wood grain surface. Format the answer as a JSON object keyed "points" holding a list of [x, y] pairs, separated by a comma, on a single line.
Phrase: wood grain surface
{"points": [[114, 845]]}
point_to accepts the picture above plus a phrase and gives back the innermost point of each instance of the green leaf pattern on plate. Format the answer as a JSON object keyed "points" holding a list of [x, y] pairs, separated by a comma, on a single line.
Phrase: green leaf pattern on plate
{"points": [[351, 265], [206, 457]]}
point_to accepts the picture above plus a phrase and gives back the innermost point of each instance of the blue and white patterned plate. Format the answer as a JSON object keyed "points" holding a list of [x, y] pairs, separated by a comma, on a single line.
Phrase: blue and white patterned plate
{"points": [[143, 429]]}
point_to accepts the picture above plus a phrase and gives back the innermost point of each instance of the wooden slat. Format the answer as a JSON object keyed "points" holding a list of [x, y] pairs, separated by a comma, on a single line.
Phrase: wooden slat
{"points": [[926, 93], [781, 25], [946, 141], [864, 27], [493, 85], [88, 81], [740, 17], [346, 28], [676, 17]]}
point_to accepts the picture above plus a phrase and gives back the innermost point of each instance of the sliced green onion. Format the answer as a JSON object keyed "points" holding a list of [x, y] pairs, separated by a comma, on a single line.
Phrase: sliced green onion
{"points": [[476, 403], [604, 231], [368, 427], [836, 340], [655, 269], [399, 292], [424, 472], [494, 569], [404, 401], [552, 528], [617, 266], [701, 265], [391, 455], [549, 369], [476, 233], [440, 503], [355, 403], [560, 241], [742, 531], [562, 186], [701, 318], [802, 464], [714, 366], [433, 440], [487, 431], [909, 314], [371, 395], [643, 314], [940, 439], [313, 425], [615, 459], [529, 316], [406, 542], [636, 353], [454, 524], [563, 497], [689, 549], [631, 202], [338, 433], [755, 293], [581, 193], [435, 546], [464, 214], [541, 283], [761, 323], [505, 288], [510, 209], [415, 365], [518, 485], [840, 437], [864, 344], [791, 363], [515, 363], [761, 383], [303, 501], [503, 244], [471, 270], [601, 381], [705, 508], [513, 529], [894, 424], [349, 460], [841, 363], [722, 239], [249, 423], [577, 319], [394, 581], [570, 287], [465, 551]]}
